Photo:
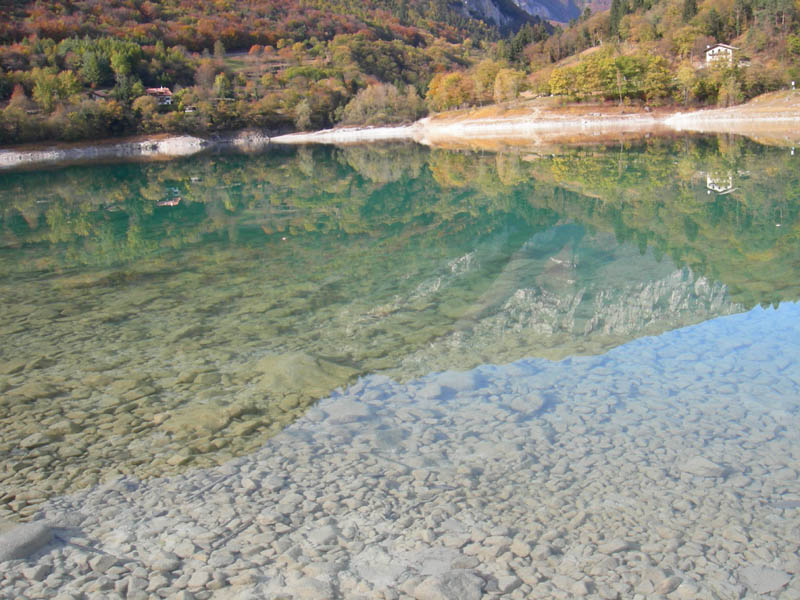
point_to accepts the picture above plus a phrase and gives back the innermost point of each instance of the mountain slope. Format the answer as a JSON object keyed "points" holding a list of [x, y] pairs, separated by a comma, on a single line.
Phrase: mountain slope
{"points": [[507, 16], [197, 24], [562, 11]]}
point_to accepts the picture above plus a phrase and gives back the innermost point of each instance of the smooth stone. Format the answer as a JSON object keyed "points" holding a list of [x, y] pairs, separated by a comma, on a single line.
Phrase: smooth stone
{"points": [[612, 546], [199, 579], [34, 390], [11, 367], [323, 535], [376, 566], [156, 582], [302, 374], [178, 459], [185, 422], [580, 589], [508, 583], [702, 467], [23, 540], [35, 440], [347, 411], [530, 403], [529, 575], [455, 540], [272, 483], [541, 552], [453, 585], [735, 534], [459, 381], [764, 580], [668, 585], [430, 391], [102, 563], [207, 379], [687, 591], [187, 332], [37, 573], [164, 561], [136, 584], [221, 558], [313, 589], [322, 569], [185, 549]]}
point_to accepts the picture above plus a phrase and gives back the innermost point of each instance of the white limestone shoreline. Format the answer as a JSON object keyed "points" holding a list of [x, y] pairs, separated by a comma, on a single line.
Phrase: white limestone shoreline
{"points": [[533, 128], [431, 131], [159, 147], [351, 135]]}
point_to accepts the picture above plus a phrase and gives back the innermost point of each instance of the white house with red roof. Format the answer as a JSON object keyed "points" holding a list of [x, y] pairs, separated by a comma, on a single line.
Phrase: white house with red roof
{"points": [[162, 94]]}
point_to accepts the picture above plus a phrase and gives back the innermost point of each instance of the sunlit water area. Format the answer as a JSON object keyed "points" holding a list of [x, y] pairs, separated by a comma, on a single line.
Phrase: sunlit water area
{"points": [[395, 372]]}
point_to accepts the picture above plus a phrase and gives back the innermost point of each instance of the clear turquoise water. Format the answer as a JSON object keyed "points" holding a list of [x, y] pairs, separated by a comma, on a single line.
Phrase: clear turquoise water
{"points": [[533, 337]]}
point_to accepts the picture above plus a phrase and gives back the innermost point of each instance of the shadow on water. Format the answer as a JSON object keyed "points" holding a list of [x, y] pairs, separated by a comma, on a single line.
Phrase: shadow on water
{"points": [[161, 316]]}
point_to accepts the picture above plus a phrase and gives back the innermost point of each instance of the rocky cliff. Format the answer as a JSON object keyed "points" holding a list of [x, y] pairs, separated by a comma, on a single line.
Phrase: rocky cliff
{"points": [[552, 10], [505, 14]]}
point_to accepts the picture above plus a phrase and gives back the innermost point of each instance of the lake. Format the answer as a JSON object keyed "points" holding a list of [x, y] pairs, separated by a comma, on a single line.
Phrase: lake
{"points": [[398, 372]]}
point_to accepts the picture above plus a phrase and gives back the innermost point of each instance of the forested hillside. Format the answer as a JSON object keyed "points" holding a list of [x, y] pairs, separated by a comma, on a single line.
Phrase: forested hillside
{"points": [[87, 69], [82, 69], [647, 51]]}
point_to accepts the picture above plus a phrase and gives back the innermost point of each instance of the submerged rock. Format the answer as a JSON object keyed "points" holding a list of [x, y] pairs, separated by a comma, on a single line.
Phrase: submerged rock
{"points": [[348, 411], [764, 580], [702, 467], [460, 584], [21, 541], [301, 373]]}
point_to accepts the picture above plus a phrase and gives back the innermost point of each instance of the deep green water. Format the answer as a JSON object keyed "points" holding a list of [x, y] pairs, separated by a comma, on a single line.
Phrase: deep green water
{"points": [[157, 317]]}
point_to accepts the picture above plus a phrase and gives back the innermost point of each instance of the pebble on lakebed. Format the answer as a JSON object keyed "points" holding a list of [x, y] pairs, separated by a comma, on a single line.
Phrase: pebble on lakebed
{"points": [[646, 474]]}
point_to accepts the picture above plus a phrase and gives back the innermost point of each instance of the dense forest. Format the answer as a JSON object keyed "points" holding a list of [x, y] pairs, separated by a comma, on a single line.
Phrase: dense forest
{"points": [[87, 69]]}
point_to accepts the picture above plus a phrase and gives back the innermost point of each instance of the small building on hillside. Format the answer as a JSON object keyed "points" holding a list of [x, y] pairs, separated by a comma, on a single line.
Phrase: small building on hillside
{"points": [[719, 183], [720, 52], [162, 94]]}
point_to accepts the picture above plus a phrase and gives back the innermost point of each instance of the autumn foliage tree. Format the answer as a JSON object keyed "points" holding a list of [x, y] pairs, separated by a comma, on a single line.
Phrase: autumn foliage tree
{"points": [[381, 104], [615, 77], [507, 84], [450, 90]]}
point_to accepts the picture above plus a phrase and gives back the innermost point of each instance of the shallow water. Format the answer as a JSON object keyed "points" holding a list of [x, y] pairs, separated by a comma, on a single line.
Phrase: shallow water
{"points": [[394, 372]]}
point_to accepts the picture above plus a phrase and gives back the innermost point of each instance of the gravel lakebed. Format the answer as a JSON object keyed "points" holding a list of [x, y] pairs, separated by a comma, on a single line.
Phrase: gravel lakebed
{"points": [[665, 468]]}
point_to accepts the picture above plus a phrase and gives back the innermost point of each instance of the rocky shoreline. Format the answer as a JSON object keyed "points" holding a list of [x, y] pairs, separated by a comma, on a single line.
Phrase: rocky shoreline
{"points": [[533, 126], [153, 148]]}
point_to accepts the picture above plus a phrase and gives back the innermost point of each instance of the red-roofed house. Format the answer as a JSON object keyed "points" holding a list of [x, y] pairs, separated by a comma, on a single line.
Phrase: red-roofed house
{"points": [[162, 94]]}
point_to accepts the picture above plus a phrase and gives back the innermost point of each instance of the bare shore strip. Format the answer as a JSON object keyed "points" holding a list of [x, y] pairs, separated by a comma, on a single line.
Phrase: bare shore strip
{"points": [[535, 127], [162, 147], [772, 119]]}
